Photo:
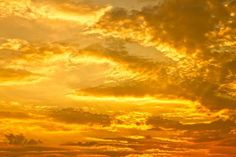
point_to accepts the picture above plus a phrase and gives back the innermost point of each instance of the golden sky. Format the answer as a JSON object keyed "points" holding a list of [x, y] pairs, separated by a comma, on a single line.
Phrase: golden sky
{"points": [[119, 78]]}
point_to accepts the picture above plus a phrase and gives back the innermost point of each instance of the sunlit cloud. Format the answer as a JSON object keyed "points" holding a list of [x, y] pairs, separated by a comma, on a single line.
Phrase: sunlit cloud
{"points": [[35, 10], [125, 99], [117, 78]]}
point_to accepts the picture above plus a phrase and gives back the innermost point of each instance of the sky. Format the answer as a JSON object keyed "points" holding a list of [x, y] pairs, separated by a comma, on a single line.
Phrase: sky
{"points": [[117, 78]]}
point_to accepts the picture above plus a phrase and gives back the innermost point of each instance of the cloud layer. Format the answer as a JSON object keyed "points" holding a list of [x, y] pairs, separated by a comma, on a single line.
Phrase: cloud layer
{"points": [[117, 78]]}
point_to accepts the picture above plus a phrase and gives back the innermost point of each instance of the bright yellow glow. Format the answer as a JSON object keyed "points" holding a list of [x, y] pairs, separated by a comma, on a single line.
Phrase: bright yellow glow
{"points": [[32, 10], [117, 78], [127, 99], [90, 19]]}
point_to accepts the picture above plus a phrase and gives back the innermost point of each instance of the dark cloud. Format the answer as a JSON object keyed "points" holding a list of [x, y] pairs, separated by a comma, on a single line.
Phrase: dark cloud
{"points": [[218, 131], [186, 23], [208, 94], [146, 145], [20, 140], [70, 115], [82, 144], [126, 88], [159, 123], [204, 28], [180, 23]]}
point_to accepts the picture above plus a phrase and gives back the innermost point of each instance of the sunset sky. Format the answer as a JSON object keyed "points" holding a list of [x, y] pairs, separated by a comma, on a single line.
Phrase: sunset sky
{"points": [[118, 78]]}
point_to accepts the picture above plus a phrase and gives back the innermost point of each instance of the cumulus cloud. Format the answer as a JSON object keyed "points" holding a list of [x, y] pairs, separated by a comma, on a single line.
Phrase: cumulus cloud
{"points": [[200, 34], [186, 27]]}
